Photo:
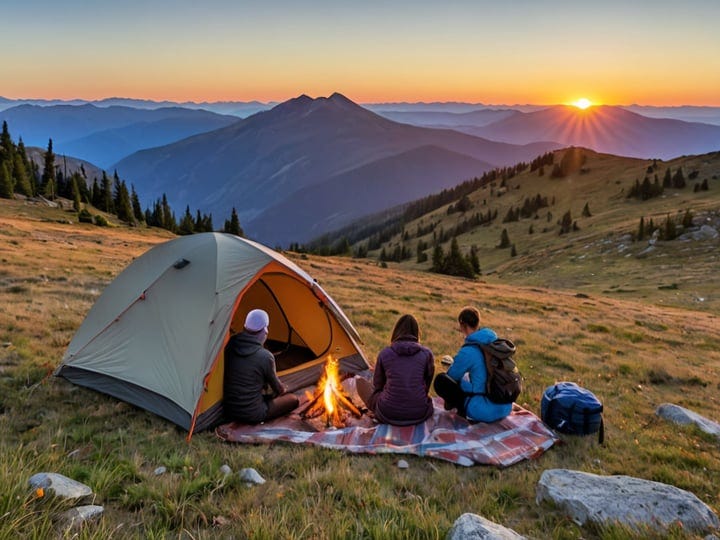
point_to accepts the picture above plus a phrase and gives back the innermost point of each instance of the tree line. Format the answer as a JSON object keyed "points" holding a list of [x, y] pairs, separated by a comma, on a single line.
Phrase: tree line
{"points": [[21, 175]]}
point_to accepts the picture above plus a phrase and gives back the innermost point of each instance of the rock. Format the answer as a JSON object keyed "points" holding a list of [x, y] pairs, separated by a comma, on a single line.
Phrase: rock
{"points": [[160, 470], [447, 360], [472, 526], [251, 476], [402, 464], [682, 416], [61, 486], [75, 518], [706, 232], [645, 252], [603, 500], [225, 470]]}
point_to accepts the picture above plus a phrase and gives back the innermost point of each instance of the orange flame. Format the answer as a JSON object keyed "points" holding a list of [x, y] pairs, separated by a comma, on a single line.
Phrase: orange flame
{"points": [[330, 399]]}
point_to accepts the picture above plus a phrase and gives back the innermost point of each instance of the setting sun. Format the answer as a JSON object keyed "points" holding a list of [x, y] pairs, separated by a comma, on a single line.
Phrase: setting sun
{"points": [[582, 103]]}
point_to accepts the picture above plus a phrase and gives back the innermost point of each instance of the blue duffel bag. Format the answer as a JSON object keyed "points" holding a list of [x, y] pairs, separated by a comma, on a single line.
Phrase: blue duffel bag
{"points": [[573, 410]]}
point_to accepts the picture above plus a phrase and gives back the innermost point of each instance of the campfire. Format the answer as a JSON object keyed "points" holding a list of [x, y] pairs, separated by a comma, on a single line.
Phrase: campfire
{"points": [[330, 402]]}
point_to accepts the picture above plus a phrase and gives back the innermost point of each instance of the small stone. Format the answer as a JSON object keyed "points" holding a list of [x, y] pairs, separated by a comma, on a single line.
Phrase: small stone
{"points": [[470, 526], [160, 470], [682, 416], [75, 518], [225, 470], [251, 476], [402, 464]]}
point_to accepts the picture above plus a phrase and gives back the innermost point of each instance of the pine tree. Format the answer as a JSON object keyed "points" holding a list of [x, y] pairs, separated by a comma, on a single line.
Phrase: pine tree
{"points": [[22, 179], [123, 205], [504, 240], [566, 223], [6, 146], [667, 179], [76, 191], [29, 166], [513, 251], [586, 211], [438, 259], [678, 180], [208, 223], [186, 225], [6, 183], [641, 229], [168, 217], [670, 231], [687, 220], [48, 180], [95, 195], [474, 260], [106, 196], [233, 225], [135, 203]]}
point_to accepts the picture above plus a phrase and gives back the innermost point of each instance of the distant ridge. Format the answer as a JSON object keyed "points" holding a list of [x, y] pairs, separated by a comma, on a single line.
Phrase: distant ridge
{"points": [[267, 158], [607, 129]]}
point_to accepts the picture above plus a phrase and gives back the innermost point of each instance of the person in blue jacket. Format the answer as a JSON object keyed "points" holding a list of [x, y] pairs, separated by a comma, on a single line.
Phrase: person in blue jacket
{"points": [[463, 386]]}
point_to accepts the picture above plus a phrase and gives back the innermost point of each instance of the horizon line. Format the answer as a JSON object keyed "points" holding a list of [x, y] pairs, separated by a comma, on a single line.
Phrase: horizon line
{"points": [[376, 103]]}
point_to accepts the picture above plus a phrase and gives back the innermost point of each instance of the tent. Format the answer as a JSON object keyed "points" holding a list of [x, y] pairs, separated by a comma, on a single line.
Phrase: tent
{"points": [[155, 337]]}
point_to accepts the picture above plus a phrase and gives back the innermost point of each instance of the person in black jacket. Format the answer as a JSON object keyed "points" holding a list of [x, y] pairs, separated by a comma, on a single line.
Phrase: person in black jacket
{"points": [[249, 371]]}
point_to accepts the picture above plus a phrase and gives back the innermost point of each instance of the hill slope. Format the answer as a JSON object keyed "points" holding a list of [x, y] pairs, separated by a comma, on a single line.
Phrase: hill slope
{"points": [[605, 242], [632, 354], [378, 185], [266, 158]]}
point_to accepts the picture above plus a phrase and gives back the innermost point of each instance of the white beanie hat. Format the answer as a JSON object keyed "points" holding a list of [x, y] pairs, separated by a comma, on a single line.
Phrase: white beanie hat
{"points": [[256, 320]]}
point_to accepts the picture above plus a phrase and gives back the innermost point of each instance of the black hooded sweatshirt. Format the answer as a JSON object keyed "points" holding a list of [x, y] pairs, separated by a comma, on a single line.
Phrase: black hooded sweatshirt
{"points": [[249, 368]]}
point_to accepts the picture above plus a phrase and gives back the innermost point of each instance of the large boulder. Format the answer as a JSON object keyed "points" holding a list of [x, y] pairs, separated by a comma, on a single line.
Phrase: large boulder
{"points": [[634, 502], [474, 527], [682, 416], [61, 486]]}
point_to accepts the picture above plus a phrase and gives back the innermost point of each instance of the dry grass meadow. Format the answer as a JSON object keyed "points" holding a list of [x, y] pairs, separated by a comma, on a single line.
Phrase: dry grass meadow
{"points": [[634, 352]]}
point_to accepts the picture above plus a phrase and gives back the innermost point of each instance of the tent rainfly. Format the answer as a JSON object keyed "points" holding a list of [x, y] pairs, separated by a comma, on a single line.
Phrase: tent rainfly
{"points": [[155, 337]]}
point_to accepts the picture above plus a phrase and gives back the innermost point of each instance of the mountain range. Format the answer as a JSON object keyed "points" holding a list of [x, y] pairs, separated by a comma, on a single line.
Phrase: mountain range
{"points": [[269, 158], [103, 135], [606, 129], [306, 166]]}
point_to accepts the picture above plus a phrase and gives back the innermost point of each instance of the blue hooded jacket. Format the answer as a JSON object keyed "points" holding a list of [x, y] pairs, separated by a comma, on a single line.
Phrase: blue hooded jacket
{"points": [[469, 369]]}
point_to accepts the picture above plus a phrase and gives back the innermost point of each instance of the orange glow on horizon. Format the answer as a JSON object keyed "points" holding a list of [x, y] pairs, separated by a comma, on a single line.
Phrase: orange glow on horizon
{"points": [[582, 103]]}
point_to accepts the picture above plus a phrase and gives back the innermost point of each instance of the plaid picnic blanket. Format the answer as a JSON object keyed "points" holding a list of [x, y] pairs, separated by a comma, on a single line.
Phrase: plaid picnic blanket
{"points": [[446, 436]]}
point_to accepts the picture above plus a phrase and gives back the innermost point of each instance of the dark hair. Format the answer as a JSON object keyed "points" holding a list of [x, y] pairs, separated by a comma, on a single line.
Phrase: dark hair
{"points": [[406, 326], [470, 317]]}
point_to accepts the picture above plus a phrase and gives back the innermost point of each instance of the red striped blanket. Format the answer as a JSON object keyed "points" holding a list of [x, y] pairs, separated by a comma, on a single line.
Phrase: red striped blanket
{"points": [[446, 436]]}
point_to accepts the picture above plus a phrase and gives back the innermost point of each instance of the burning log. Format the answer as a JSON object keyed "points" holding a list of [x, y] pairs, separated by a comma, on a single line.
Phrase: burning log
{"points": [[330, 399]]}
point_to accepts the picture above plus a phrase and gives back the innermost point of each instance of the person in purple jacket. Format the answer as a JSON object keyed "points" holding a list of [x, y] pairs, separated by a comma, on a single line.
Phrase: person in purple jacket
{"points": [[403, 374], [463, 386]]}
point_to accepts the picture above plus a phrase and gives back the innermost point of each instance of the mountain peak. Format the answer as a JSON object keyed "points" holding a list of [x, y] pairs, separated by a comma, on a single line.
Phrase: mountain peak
{"points": [[337, 97]]}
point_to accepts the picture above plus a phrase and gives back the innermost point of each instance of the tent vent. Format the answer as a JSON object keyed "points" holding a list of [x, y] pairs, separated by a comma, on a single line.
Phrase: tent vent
{"points": [[181, 263]]}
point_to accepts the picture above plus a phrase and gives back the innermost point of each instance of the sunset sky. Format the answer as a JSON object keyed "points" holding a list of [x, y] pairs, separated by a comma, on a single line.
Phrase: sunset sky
{"points": [[655, 52]]}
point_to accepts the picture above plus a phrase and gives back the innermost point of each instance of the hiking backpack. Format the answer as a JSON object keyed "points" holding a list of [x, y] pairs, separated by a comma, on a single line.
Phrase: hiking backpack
{"points": [[504, 381], [573, 410]]}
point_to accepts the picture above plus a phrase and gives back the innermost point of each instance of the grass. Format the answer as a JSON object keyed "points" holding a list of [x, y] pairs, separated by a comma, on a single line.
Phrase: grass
{"points": [[624, 348]]}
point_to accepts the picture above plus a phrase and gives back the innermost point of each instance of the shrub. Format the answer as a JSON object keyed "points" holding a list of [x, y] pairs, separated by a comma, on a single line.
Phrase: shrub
{"points": [[84, 216], [100, 221]]}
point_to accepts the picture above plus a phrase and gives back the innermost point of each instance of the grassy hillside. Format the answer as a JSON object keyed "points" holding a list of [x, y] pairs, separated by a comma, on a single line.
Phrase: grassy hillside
{"points": [[633, 353], [602, 256]]}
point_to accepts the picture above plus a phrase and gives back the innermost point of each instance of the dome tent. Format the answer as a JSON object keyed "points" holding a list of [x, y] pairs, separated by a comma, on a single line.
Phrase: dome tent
{"points": [[155, 336]]}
